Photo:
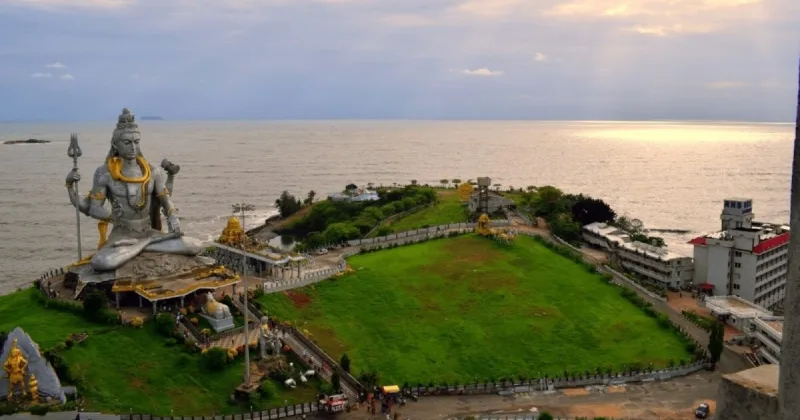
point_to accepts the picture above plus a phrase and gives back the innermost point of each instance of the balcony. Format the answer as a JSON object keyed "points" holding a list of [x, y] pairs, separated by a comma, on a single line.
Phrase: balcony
{"points": [[768, 342], [646, 272]]}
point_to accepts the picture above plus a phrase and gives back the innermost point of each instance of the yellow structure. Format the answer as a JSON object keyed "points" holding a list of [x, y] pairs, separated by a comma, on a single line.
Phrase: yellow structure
{"points": [[15, 367], [483, 228], [233, 234], [465, 191], [33, 388]]}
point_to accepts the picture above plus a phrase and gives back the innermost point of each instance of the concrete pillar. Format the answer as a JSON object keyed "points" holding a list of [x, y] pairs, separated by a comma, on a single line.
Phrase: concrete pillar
{"points": [[140, 302], [182, 301], [116, 298], [789, 388], [233, 289], [155, 311]]}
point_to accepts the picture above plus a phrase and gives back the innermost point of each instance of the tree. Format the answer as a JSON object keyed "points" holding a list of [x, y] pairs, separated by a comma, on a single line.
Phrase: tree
{"points": [[165, 323], [336, 382], [94, 303], [564, 227], [413, 182], [545, 416], [497, 187], [350, 187], [310, 198], [314, 240], [338, 232], [587, 210], [345, 362], [444, 182], [530, 188], [716, 342], [287, 205], [456, 181], [369, 379], [465, 191], [215, 359]]}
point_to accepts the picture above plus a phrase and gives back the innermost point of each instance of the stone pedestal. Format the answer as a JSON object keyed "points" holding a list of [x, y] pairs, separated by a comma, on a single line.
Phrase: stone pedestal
{"points": [[219, 325], [751, 394]]}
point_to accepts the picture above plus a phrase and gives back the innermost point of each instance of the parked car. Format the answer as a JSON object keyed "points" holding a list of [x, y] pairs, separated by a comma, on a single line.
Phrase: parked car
{"points": [[702, 411], [322, 251]]}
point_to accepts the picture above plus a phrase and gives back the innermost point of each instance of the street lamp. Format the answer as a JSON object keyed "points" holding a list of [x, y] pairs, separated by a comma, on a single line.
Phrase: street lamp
{"points": [[242, 208]]}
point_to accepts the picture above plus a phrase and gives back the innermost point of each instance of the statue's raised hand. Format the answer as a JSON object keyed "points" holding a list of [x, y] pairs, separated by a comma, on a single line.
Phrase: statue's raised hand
{"points": [[73, 176]]}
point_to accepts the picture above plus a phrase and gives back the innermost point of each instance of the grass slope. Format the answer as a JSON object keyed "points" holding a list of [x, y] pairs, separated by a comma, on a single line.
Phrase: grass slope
{"points": [[456, 309], [447, 210], [133, 369], [47, 327]]}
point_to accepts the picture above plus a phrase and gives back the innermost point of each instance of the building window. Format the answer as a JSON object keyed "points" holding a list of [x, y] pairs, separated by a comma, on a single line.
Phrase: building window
{"points": [[737, 265], [738, 254], [736, 286]]}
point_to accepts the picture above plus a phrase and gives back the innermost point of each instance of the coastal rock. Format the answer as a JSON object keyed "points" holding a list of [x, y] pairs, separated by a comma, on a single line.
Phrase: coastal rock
{"points": [[29, 141]]}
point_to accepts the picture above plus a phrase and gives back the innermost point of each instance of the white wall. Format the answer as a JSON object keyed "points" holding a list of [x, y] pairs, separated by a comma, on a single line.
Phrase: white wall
{"points": [[718, 258]]}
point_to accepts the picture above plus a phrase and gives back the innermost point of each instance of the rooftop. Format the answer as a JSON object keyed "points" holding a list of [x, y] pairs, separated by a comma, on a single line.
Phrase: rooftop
{"points": [[767, 239], [773, 323], [735, 306], [623, 240]]}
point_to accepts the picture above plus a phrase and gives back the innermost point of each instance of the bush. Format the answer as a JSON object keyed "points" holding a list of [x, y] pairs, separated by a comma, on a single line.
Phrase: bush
{"points": [[545, 416], [137, 322], [215, 359], [94, 302], [171, 342], [267, 390], [165, 324], [345, 362], [39, 410]]}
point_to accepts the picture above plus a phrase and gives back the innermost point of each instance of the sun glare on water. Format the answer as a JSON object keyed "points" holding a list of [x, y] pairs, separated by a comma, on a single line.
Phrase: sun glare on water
{"points": [[669, 133]]}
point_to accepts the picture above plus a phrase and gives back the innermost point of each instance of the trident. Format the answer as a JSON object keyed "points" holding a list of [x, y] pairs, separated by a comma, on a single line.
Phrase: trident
{"points": [[74, 151]]}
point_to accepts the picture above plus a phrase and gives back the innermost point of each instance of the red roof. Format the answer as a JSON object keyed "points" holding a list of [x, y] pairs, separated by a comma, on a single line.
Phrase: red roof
{"points": [[707, 286], [771, 243], [700, 240]]}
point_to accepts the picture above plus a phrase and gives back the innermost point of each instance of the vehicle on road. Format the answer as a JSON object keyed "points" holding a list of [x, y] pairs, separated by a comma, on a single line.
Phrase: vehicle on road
{"points": [[702, 411], [336, 403]]}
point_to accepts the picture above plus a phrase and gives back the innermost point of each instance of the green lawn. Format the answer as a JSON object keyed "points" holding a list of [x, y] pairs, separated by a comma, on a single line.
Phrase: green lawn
{"points": [[47, 327], [133, 369], [447, 210], [460, 308]]}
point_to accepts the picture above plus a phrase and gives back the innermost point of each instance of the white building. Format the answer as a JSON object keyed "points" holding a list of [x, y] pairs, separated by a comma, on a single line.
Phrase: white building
{"points": [[746, 258], [657, 265], [361, 194], [735, 311], [768, 334]]}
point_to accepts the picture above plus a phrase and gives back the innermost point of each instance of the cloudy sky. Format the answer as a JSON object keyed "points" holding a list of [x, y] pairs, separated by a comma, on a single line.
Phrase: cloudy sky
{"points": [[503, 59]]}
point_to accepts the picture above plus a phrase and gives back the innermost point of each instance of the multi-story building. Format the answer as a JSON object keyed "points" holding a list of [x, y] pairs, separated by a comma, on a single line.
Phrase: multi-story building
{"points": [[768, 334], [651, 263], [746, 258]]}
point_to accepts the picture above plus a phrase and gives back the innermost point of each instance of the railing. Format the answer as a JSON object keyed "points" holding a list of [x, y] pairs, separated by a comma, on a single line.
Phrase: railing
{"points": [[545, 383], [193, 330], [275, 413]]}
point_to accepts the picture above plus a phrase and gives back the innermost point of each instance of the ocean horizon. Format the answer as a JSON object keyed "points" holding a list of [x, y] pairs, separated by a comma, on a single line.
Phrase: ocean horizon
{"points": [[669, 174]]}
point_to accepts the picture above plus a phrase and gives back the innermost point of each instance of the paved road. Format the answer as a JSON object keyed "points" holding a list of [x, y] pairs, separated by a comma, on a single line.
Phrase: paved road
{"points": [[670, 400], [300, 349]]}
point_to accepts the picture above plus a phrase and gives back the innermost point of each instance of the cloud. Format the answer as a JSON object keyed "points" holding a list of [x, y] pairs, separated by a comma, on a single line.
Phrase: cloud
{"points": [[483, 71], [541, 57], [406, 20], [56, 65], [81, 4], [67, 77], [38, 75], [664, 17]]}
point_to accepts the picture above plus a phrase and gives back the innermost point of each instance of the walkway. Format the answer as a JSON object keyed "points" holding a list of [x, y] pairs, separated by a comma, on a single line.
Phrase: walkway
{"points": [[235, 341], [301, 349]]}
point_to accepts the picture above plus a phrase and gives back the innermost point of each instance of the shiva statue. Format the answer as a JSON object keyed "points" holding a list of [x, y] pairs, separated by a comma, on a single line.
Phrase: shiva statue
{"points": [[139, 194]]}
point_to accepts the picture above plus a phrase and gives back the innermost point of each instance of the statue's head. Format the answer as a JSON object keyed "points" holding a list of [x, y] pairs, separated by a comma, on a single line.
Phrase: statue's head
{"points": [[125, 140]]}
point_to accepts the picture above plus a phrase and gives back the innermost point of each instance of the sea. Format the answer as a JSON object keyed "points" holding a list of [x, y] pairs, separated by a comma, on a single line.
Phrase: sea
{"points": [[671, 175]]}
